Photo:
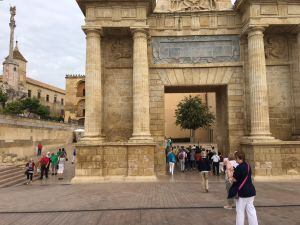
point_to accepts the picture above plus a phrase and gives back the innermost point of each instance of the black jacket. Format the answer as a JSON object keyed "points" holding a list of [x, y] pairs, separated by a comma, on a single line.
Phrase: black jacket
{"points": [[248, 189], [204, 165]]}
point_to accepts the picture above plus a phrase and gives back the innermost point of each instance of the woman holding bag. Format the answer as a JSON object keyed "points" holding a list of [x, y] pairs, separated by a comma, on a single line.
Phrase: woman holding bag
{"points": [[243, 189]]}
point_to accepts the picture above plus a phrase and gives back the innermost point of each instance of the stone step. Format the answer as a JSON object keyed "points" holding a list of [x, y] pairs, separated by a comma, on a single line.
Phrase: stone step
{"points": [[11, 170], [12, 178], [15, 182], [11, 174]]}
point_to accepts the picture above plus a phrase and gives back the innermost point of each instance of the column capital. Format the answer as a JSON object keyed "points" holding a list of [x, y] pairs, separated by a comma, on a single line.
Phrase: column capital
{"points": [[251, 31], [140, 32], [92, 30]]}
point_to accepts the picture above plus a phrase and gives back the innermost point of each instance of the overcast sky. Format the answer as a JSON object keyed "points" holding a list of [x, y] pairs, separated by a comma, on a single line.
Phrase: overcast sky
{"points": [[49, 35]]}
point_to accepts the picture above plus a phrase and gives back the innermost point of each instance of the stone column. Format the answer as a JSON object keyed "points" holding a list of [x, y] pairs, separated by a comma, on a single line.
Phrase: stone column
{"points": [[141, 117], [93, 97], [259, 107]]}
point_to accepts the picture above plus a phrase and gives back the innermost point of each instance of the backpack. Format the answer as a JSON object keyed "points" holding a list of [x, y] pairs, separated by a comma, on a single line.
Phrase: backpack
{"points": [[181, 156]]}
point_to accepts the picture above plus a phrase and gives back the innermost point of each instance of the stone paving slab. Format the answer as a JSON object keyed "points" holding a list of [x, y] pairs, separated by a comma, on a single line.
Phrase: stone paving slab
{"points": [[267, 216]]}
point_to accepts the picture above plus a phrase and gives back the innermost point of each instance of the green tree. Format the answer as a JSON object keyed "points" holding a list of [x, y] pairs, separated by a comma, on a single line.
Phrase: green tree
{"points": [[31, 105], [43, 112], [14, 108], [3, 98], [192, 114]]}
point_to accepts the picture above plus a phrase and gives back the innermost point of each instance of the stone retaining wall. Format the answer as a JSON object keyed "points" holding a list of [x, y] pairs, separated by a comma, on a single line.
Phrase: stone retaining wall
{"points": [[275, 159], [20, 136]]}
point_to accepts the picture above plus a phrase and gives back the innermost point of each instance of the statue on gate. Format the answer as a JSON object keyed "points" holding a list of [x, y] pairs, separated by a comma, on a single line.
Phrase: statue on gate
{"points": [[192, 5]]}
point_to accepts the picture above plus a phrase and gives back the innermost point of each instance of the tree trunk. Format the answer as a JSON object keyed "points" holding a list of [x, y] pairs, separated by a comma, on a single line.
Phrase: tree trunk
{"points": [[193, 136]]}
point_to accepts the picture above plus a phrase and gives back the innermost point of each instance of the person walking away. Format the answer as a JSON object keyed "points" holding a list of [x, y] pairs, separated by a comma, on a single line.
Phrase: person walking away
{"points": [[54, 161], [61, 166], [230, 165], [192, 157], [187, 163], [74, 156], [204, 168], [39, 147], [182, 156], [244, 190], [49, 157], [171, 160], [44, 162], [30, 166], [216, 164]]}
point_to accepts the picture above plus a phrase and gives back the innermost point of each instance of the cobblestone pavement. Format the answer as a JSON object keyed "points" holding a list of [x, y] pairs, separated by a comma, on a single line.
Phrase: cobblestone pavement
{"points": [[177, 201]]}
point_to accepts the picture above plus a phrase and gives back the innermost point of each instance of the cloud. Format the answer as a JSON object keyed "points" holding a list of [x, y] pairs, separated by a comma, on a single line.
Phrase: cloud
{"points": [[49, 35]]}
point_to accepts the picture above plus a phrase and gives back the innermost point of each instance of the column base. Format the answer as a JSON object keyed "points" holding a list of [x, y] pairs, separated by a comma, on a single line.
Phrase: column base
{"points": [[141, 139], [259, 139], [92, 140]]}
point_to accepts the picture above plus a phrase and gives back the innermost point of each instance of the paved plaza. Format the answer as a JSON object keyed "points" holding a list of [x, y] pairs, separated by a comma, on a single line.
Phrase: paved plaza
{"points": [[168, 201]]}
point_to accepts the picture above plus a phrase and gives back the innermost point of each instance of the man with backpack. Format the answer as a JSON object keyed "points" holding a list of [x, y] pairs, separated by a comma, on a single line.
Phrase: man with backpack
{"points": [[182, 157]]}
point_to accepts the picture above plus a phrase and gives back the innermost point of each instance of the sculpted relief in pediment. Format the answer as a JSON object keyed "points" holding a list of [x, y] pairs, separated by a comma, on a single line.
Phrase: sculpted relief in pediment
{"points": [[192, 5]]}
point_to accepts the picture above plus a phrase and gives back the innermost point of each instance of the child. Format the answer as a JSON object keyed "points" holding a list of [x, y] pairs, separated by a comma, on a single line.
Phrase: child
{"points": [[29, 170]]}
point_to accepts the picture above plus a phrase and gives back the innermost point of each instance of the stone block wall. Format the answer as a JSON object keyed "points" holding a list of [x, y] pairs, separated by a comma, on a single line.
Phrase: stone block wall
{"points": [[277, 159], [280, 101], [20, 136], [115, 160]]}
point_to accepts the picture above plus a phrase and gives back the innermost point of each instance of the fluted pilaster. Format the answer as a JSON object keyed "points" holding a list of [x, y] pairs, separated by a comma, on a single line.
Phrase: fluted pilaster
{"points": [[259, 107], [93, 98], [141, 117]]}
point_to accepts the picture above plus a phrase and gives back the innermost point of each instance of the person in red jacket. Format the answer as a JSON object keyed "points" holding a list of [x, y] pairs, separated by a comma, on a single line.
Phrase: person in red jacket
{"points": [[44, 162], [40, 147]]}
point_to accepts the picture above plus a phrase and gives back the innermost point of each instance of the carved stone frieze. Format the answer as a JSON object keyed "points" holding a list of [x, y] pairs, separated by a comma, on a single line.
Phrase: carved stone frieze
{"points": [[192, 5], [276, 47], [195, 49], [120, 50]]}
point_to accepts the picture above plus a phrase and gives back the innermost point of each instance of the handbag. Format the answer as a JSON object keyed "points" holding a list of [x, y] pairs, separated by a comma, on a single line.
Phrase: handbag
{"points": [[234, 189]]}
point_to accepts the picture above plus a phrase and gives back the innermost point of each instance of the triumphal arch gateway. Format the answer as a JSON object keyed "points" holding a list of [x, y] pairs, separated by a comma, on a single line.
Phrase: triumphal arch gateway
{"points": [[138, 50]]}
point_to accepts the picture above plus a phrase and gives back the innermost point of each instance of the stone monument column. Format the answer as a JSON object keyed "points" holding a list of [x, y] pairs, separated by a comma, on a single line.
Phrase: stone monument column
{"points": [[259, 107], [93, 97], [141, 117]]}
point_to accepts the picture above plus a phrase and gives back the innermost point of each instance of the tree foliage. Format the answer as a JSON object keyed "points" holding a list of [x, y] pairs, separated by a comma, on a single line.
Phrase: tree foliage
{"points": [[192, 114], [3, 98]]}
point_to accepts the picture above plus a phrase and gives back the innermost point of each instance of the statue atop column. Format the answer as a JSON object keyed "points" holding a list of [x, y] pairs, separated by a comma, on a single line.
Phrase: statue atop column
{"points": [[12, 25]]}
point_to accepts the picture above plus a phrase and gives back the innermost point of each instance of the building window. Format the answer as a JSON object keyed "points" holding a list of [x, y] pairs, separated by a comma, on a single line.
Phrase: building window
{"points": [[62, 101], [83, 112], [55, 99], [15, 69], [39, 95], [29, 93], [83, 92], [47, 98]]}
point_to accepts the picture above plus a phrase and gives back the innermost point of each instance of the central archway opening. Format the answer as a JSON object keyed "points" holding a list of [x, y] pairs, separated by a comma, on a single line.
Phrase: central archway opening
{"points": [[215, 96]]}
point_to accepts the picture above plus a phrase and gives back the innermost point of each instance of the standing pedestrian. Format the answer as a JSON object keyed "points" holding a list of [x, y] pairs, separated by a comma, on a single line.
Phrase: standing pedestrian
{"points": [[74, 156], [30, 166], [230, 165], [182, 156], [171, 160], [61, 166], [216, 164], [244, 190], [54, 161], [44, 162], [204, 168], [192, 157], [39, 147]]}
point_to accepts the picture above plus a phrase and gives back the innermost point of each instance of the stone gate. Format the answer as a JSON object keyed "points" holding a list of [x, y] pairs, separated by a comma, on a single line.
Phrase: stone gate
{"points": [[137, 50]]}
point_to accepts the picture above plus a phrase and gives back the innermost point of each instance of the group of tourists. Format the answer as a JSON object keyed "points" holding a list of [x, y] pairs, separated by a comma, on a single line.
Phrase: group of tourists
{"points": [[46, 161], [238, 181]]}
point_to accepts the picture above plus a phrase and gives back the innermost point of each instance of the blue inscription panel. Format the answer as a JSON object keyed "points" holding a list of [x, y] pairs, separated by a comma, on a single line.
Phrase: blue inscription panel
{"points": [[195, 49]]}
